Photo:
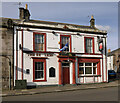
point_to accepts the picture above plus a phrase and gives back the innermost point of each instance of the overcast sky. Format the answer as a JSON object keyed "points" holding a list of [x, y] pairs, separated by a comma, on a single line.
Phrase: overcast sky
{"points": [[105, 14]]}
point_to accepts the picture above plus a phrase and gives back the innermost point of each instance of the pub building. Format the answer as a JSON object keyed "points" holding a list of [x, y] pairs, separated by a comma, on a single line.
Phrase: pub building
{"points": [[53, 53]]}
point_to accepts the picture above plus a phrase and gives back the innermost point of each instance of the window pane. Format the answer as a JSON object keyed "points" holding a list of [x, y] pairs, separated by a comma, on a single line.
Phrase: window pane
{"points": [[80, 64], [65, 40], [40, 66], [39, 42], [41, 74], [94, 70], [81, 70], [36, 74], [88, 70], [94, 64], [88, 42], [39, 70], [65, 64], [88, 64]]}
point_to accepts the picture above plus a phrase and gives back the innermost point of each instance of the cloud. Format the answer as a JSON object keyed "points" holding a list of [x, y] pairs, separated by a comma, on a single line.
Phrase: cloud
{"points": [[107, 28]]}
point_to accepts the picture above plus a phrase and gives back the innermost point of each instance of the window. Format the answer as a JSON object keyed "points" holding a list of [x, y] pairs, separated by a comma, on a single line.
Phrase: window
{"points": [[65, 40], [65, 63], [52, 72], [89, 45], [39, 42], [87, 68], [39, 70]]}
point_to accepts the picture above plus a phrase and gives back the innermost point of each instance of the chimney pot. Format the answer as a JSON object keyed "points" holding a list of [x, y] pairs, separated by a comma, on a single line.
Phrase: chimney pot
{"points": [[26, 6], [109, 50]]}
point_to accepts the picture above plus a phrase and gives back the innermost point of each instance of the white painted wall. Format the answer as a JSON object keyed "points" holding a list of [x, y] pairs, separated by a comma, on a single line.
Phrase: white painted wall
{"points": [[77, 44], [53, 42], [19, 56], [110, 63], [50, 62], [53, 46], [28, 40], [71, 72]]}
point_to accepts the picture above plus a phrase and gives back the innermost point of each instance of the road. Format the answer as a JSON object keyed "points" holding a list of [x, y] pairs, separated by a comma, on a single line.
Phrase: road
{"points": [[101, 94]]}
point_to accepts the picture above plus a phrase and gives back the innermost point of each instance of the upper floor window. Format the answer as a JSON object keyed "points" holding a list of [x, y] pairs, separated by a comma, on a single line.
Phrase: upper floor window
{"points": [[65, 43], [39, 42], [89, 45]]}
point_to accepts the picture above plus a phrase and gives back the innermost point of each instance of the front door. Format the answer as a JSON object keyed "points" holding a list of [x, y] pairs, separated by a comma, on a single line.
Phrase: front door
{"points": [[66, 76]]}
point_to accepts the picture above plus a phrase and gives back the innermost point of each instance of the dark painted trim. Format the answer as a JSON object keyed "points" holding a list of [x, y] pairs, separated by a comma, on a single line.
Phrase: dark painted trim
{"points": [[92, 45], [13, 59], [22, 54], [70, 44], [44, 41], [39, 60]]}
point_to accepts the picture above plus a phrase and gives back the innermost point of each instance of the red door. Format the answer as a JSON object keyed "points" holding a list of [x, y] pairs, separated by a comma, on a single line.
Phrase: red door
{"points": [[66, 78]]}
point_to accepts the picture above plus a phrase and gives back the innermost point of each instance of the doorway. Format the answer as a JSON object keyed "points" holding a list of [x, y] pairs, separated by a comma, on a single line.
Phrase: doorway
{"points": [[66, 73]]}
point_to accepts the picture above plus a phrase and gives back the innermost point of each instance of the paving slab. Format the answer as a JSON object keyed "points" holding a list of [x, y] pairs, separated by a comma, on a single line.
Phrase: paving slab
{"points": [[64, 88]]}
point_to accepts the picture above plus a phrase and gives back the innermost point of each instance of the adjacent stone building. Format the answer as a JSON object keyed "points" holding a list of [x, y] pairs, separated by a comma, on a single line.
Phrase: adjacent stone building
{"points": [[114, 60]]}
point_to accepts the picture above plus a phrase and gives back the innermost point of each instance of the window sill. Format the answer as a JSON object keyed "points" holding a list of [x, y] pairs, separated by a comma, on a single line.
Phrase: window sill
{"points": [[89, 75], [39, 80]]}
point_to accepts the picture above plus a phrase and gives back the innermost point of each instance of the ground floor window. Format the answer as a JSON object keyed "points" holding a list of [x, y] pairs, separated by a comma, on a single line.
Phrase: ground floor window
{"points": [[87, 68], [39, 70]]}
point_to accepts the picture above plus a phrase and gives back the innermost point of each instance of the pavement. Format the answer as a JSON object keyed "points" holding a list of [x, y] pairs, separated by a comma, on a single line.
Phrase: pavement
{"points": [[51, 89]]}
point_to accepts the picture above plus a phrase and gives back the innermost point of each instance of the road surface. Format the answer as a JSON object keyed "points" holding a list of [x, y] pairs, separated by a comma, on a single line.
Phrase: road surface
{"points": [[101, 94]]}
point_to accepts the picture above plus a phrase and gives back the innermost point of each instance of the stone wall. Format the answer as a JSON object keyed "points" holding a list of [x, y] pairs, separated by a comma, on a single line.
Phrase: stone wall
{"points": [[6, 48], [116, 61]]}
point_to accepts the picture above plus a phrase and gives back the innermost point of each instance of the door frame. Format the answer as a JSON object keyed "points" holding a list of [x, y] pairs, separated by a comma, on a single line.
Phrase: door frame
{"points": [[68, 66]]}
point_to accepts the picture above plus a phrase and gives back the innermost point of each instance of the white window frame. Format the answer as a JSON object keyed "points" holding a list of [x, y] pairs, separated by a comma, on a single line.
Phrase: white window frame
{"points": [[85, 69]]}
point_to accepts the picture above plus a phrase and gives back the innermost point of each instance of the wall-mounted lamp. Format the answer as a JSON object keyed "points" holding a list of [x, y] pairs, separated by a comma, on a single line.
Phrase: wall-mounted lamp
{"points": [[98, 38], [54, 33], [28, 29], [78, 34]]}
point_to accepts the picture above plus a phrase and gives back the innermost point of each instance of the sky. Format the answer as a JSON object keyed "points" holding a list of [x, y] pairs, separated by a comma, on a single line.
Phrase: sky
{"points": [[105, 14]]}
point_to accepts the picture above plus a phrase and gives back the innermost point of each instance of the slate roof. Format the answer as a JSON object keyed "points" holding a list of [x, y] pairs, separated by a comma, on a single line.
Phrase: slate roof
{"points": [[53, 25], [113, 52]]}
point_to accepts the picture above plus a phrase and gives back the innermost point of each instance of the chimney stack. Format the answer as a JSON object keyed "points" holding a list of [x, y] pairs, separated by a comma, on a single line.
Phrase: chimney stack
{"points": [[24, 13], [92, 22]]}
